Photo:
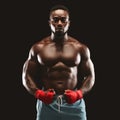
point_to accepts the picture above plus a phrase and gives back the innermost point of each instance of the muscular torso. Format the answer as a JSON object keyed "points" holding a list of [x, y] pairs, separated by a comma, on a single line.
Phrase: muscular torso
{"points": [[60, 64]]}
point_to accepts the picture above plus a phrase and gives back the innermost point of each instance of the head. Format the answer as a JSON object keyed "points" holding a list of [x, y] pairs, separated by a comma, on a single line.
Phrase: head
{"points": [[59, 20]]}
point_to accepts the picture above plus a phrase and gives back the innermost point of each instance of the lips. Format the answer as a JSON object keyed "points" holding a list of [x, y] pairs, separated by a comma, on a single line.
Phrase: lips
{"points": [[59, 29]]}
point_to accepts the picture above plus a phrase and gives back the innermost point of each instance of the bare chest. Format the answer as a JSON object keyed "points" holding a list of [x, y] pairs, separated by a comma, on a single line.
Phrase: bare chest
{"points": [[67, 54]]}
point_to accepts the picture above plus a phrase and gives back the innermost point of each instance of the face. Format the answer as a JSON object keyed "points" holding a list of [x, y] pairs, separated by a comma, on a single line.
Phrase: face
{"points": [[59, 21]]}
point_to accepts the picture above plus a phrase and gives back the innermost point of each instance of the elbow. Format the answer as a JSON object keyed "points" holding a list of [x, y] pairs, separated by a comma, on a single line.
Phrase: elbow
{"points": [[92, 81], [24, 81]]}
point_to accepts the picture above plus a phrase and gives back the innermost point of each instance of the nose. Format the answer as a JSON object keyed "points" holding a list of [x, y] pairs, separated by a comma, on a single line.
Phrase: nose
{"points": [[59, 22]]}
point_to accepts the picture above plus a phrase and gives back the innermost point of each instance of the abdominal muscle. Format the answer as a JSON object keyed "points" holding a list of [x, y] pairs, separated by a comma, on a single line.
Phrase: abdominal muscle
{"points": [[60, 81]]}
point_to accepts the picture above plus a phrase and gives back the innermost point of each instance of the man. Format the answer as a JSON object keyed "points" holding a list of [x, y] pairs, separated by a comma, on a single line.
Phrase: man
{"points": [[59, 72]]}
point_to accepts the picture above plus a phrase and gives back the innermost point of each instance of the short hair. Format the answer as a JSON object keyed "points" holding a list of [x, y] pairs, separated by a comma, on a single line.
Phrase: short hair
{"points": [[56, 7]]}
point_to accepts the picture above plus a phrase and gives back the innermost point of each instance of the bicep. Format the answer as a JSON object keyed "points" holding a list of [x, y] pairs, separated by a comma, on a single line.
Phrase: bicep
{"points": [[30, 71], [86, 65], [31, 66]]}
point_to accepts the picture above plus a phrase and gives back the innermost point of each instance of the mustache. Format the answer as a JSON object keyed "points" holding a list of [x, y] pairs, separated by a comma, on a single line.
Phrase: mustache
{"points": [[59, 28]]}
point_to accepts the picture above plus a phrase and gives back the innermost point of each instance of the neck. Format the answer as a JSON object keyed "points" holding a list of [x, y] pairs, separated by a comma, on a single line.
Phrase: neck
{"points": [[59, 39]]}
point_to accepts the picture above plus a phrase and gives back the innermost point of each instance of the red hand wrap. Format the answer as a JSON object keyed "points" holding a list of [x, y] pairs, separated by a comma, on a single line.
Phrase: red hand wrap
{"points": [[73, 96], [46, 97]]}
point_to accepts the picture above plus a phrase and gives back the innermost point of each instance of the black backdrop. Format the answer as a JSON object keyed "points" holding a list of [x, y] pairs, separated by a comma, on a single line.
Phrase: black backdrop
{"points": [[26, 22]]}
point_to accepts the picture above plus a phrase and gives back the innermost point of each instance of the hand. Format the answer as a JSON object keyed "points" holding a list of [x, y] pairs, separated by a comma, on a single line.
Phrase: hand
{"points": [[45, 96], [73, 96]]}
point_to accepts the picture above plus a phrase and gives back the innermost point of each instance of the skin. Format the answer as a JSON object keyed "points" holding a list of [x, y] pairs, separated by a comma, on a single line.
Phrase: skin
{"points": [[58, 61]]}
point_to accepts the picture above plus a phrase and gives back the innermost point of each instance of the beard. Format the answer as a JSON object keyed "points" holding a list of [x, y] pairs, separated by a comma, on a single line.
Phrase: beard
{"points": [[59, 33]]}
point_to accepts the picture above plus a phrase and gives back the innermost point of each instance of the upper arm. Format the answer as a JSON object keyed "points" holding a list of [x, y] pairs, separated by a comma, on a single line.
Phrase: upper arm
{"points": [[31, 66], [31, 62], [86, 65]]}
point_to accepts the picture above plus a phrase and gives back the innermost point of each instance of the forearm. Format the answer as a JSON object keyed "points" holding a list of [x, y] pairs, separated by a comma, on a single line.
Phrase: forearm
{"points": [[29, 84], [87, 85]]}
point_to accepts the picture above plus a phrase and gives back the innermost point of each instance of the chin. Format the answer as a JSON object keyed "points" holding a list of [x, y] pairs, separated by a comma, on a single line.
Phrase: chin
{"points": [[59, 33]]}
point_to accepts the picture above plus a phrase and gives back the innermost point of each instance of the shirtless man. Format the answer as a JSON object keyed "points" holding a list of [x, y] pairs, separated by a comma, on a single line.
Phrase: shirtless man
{"points": [[59, 72]]}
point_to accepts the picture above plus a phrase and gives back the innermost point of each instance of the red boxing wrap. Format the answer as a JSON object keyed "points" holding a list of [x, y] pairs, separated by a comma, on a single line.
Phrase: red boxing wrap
{"points": [[73, 96], [46, 97]]}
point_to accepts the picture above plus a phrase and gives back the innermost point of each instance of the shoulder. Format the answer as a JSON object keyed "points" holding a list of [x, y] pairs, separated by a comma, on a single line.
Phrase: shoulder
{"points": [[74, 41], [38, 46], [82, 48]]}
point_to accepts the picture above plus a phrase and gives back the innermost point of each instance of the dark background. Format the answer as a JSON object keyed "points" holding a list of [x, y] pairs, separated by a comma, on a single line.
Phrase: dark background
{"points": [[26, 22]]}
